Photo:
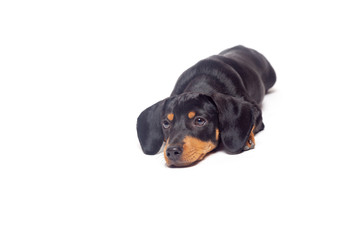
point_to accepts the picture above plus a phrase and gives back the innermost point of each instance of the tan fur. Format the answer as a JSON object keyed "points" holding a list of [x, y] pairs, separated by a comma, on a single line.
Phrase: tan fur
{"points": [[191, 115], [251, 141], [193, 150], [170, 116]]}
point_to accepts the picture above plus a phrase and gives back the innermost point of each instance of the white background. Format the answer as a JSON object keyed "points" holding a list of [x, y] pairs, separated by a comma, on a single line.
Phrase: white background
{"points": [[74, 75]]}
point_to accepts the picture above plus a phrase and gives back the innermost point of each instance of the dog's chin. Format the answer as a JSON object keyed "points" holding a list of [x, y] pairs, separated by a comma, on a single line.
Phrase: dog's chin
{"points": [[181, 164], [185, 161]]}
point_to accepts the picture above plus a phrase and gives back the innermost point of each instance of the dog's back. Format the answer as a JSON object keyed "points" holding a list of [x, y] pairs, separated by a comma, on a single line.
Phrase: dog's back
{"points": [[238, 71], [250, 58]]}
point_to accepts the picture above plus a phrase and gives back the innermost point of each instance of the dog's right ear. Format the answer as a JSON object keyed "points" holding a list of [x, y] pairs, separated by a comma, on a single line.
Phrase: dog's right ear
{"points": [[149, 129]]}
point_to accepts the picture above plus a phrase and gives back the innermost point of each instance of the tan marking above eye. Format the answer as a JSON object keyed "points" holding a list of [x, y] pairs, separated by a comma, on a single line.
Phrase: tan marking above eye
{"points": [[191, 115], [170, 116], [217, 134]]}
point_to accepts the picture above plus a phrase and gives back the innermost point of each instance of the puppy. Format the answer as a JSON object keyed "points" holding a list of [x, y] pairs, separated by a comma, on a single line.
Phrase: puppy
{"points": [[216, 101]]}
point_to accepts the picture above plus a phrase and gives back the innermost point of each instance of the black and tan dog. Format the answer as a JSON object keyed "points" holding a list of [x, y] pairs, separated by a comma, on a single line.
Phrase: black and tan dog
{"points": [[216, 101]]}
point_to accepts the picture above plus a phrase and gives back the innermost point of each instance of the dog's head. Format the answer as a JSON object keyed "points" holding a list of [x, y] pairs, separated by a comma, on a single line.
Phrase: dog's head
{"points": [[193, 124]]}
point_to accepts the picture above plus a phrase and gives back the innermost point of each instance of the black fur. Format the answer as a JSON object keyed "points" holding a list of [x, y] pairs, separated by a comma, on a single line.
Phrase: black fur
{"points": [[226, 89]]}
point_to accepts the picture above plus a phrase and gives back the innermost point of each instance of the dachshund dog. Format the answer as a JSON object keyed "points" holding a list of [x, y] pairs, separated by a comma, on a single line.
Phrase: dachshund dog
{"points": [[216, 101]]}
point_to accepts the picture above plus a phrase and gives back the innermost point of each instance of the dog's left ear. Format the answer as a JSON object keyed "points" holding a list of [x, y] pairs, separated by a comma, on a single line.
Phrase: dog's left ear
{"points": [[149, 129], [239, 120]]}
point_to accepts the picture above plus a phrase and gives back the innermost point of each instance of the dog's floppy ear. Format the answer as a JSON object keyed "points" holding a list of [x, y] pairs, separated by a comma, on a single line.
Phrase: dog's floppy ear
{"points": [[149, 129], [238, 119]]}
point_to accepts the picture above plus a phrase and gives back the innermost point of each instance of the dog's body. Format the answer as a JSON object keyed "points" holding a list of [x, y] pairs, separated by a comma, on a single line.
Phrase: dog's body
{"points": [[215, 101]]}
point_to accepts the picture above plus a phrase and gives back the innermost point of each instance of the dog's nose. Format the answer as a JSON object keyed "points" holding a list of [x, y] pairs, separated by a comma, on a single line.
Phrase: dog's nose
{"points": [[174, 153]]}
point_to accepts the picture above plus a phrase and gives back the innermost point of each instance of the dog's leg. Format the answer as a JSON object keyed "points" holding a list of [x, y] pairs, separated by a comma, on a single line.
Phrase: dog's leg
{"points": [[250, 144]]}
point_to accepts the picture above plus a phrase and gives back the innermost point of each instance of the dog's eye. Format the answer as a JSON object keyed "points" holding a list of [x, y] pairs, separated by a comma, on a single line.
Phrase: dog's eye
{"points": [[199, 121], [166, 124]]}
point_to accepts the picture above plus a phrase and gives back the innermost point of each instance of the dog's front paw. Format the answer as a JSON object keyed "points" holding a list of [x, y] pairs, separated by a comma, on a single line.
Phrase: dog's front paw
{"points": [[250, 143]]}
